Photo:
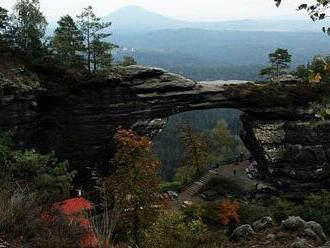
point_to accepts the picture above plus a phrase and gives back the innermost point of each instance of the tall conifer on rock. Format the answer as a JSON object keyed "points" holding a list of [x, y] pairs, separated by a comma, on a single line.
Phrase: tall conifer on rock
{"points": [[98, 52], [67, 42], [279, 63]]}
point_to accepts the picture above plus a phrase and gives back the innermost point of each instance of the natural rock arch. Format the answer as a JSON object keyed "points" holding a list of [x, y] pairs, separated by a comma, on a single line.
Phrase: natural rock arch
{"points": [[78, 122]]}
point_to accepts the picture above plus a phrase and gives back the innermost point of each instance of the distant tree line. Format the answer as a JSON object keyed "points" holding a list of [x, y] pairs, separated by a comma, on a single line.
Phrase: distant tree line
{"points": [[76, 43]]}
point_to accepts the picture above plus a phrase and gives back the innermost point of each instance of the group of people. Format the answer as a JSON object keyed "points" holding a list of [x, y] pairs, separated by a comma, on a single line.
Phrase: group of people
{"points": [[251, 170]]}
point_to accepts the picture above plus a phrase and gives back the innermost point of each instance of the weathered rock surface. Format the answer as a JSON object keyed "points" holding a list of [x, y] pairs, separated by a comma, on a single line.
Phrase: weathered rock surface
{"points": [[78, 121], [325, 245], [293, 223], [311, 229], [317, 229], [243, 232], [263, 223]]}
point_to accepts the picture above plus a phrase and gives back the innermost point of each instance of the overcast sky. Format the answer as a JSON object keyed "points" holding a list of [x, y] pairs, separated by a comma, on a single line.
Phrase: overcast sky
{"points": [[202, 10]]}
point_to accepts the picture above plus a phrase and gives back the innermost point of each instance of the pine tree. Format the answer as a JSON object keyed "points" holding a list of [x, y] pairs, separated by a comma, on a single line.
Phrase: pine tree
{"points": [[98, 52], [279, 63], [67, 42], [101, 55], [29, 26]]}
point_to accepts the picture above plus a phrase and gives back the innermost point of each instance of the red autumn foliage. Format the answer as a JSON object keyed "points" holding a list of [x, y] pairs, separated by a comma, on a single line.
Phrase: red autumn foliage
{"points": [[73, 210], [228, 210]]}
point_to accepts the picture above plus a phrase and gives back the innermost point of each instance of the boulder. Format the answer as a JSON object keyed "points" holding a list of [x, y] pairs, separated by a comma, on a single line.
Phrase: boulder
{"points": [[263, 223], [317, 229], [311, 234], [243, 232], [310, 229], [293, 223]]}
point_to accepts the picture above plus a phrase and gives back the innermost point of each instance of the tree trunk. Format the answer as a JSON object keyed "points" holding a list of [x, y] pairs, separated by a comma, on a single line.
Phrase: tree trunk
{"points": [[88, 46], [136, 224], [94, 62]]}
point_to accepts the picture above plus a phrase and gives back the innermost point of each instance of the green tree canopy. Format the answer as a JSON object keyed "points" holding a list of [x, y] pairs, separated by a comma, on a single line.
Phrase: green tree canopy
{"points": [[98, 52], [67, 42], [279, 63], [127, 61], [29, 25], [42, 173]]}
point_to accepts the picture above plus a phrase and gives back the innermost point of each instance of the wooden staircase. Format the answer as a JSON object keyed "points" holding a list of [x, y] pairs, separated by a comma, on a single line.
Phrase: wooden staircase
{"points": [[193, 189]]}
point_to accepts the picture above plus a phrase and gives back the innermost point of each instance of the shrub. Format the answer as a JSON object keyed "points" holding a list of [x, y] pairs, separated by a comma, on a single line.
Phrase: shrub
{"points": [[172, 230], [191, 213], [281, 209], [228, 210], [28, 168], [251, 212], [21, 221], [175, 186], [209, 214], [317, 208]]}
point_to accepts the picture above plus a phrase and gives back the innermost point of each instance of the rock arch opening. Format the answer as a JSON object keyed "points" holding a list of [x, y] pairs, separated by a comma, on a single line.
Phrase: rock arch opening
{"points": [[220, 129]]}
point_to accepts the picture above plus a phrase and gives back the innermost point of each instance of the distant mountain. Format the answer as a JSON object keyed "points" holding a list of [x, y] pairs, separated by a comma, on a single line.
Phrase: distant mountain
{"points": [[211, 50], [136, 19]]}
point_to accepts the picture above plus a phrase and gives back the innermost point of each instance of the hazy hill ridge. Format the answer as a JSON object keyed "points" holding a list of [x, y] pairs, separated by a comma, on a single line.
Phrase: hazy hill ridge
{"points": [[137, 19]]}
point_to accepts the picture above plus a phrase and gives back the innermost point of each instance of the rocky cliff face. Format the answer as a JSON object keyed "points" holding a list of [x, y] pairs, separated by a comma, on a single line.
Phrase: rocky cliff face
{"points": [[295, 153], [79, 120], [18, 103]]}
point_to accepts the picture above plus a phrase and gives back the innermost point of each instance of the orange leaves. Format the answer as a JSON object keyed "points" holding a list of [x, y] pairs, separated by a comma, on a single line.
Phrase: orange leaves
{"points": [[134, 169], [132, 186], [133, 150], [228, 210], [129, 139]]}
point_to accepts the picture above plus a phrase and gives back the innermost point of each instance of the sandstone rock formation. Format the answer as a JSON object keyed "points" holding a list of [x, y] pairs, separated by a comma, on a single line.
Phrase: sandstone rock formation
{"points": [[263, 223], [77, 117], [242, 232]]}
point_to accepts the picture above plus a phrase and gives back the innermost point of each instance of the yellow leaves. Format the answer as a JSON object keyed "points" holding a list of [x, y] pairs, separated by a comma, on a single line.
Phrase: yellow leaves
{"points": [[228, 210], [317, 78]]}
